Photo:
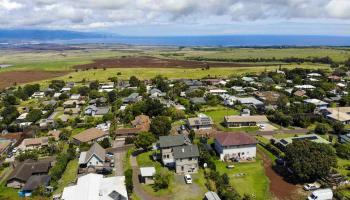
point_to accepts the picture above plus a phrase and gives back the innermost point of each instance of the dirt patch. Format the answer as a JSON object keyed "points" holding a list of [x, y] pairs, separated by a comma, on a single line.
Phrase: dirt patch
{"points": [[153, 62], [280, 189], [18, 77]]}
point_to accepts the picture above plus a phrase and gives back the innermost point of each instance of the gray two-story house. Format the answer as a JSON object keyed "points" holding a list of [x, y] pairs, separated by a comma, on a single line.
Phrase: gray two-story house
{"points": [[177, 152], [186, 159]]}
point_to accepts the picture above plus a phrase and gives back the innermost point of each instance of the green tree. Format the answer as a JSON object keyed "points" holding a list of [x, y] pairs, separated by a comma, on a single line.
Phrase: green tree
{"points": [[145, 140], [338, 127], [9, 113], [160, 125], [321, 129], [161, 180], [105, 143], [84, 91], [134, 82], [309, 160], [34, 115], [161, 83], [112, 96], [94, 85]]}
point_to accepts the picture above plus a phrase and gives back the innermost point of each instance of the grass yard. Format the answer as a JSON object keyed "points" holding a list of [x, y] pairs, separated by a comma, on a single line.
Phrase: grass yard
{"points": [[69, 176], [254, 182], [342, 164]]}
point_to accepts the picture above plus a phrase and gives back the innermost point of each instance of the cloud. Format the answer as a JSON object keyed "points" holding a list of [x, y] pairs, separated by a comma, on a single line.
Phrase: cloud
{"points": [[97, 14]]}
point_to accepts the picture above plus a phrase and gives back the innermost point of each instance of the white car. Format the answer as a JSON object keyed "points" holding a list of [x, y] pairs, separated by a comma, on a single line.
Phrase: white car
{"points": [[14, 150], [311, 186], [188, 179]]}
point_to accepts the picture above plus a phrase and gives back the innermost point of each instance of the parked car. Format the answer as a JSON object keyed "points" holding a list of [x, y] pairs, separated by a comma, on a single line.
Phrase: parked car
{"points": [[188, 179], [14, 150], [311, 186], [230, 166]]}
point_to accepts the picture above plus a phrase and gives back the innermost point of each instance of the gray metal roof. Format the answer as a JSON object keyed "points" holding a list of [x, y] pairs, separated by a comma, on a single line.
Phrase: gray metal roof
{"points": [[185, 151], [96, 150], [171, 141]]}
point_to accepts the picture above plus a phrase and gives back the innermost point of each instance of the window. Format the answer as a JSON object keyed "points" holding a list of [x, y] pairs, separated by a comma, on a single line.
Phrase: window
{"points": [[182, 168]]}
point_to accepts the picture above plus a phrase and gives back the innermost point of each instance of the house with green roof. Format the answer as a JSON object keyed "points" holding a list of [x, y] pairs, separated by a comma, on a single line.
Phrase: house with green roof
{"points": [[283, 143]]}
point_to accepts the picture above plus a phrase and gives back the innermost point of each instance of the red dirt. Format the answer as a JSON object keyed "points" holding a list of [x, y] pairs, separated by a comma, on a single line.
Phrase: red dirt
{"points": [[152, 62], [280, 189], [18, 77]]}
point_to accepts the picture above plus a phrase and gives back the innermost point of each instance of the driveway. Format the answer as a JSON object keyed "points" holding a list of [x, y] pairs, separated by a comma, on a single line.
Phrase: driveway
{"points": [[118, 157]]}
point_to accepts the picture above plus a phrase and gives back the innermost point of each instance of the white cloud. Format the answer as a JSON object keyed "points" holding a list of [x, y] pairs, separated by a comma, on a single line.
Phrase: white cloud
{"points": [[9, 5], [92, 14]]}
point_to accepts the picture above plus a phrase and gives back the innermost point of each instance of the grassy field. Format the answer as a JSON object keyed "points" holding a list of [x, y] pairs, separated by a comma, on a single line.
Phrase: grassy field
{"points": [[69, 176], [254, 182], [337, 54]]}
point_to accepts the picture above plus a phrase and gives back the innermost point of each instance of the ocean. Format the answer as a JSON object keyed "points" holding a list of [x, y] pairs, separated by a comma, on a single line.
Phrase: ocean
{"points": [[222, 41]]}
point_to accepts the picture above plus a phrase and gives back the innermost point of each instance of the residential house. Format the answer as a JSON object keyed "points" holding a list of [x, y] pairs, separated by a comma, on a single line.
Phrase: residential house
{"points": [[238, 146], [132, 98], [344, 139], [147, 174], [318, 103], [155, 93], [96, 187], [106, 87], [95, 157], [34, 182], [268, 97], [75, 97], [33, 143], [96, 111], [186, 159], [200, 122], [339, 114], [198, 100], [217, 91], [282, 143], [38, 95], [166, 145], [250, 101], [55, 134], [245, 120], [26, 169], [141, 123], [305, 87], [90, 135]]}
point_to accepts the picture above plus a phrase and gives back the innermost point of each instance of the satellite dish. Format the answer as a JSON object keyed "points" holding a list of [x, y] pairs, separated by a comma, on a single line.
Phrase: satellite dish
{"points": [[205, 165]]}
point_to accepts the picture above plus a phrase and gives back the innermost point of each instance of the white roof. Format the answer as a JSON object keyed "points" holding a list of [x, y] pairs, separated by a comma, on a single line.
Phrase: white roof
{"points": [[305, 86], [316, 102], [147, 171], [95, 187], [22, 116], [218, 91]]}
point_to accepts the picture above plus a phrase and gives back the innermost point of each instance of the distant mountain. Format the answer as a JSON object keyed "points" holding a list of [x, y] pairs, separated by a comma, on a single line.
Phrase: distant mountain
{"points": [[24, 34]]}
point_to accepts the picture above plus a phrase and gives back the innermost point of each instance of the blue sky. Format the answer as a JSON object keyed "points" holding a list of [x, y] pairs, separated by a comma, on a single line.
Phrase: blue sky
{"points": [[181, 17]]}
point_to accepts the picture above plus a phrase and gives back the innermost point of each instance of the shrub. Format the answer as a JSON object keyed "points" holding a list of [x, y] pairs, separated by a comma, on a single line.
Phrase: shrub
{"points": [[128, 180]]}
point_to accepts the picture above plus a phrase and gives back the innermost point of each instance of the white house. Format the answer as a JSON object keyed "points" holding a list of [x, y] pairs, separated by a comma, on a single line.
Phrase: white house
{"points": [[95, 157], [96, 187], [318, 103], [238, 146]]}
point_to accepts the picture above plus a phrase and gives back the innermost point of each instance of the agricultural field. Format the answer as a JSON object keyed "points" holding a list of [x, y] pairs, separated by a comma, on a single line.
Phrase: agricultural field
{"points": [[29, 65]]}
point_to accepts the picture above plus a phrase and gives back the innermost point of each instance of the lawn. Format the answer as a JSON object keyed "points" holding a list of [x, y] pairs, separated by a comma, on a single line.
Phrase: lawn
{"points": [[342, 164], [254, 182], [69, 176]]}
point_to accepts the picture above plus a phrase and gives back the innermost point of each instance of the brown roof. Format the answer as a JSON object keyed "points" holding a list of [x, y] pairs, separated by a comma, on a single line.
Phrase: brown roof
{"points": [[35, 141], [56, 134], [12, 136], [29, 167], [142, 121], [232, 139], [127, 131], [300, 93], [89, 135]]}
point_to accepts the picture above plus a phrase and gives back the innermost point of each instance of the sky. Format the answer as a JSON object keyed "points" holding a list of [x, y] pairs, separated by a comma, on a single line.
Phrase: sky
{"points": [[180, 17]]}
